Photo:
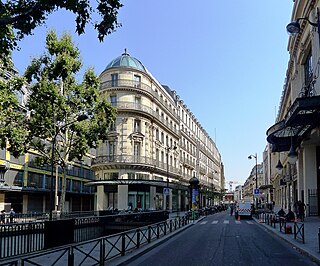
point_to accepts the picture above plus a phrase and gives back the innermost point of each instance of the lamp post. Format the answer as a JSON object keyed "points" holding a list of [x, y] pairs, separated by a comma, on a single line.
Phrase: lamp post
{"points": [[168, 196], [256, 157], [294, 26], [57, 130]]}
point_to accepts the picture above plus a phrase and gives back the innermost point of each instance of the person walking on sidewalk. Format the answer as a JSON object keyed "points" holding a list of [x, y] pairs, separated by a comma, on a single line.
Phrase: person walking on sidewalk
{"points": [[231, 209]]}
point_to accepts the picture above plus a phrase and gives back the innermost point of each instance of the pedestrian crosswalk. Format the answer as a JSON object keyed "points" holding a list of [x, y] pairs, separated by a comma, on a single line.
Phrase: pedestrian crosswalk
{"points": [[227, 222]]}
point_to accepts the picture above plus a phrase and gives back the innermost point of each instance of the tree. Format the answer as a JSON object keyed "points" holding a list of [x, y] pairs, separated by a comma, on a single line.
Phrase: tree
{"points": [[20, 17], [12, 129], [58, 103]]}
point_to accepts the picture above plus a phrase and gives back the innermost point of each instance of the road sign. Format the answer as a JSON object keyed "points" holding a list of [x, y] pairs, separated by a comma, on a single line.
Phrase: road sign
{"points": [[256, 192], [166, 191]]}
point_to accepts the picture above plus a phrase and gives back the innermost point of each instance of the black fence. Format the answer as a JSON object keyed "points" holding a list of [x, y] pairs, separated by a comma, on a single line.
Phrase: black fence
{"points": [[22, 238], [285, 227], [101, 250]]}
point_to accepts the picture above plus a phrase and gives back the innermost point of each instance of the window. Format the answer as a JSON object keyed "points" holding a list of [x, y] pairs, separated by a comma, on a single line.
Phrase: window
{"points": [[113, 100], [137, 125], [114, 80], [113, 127], [308, 69], [137, 81], [162, 137], [111, 176], [157, 135], [136, 149], [112, 150], [137, 102]]}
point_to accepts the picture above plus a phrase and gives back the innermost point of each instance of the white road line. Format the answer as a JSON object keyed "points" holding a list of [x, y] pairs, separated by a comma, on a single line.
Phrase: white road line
{"points": [[214, 222], [204, 222], [249, 222], [226, 221], [238, 222]]}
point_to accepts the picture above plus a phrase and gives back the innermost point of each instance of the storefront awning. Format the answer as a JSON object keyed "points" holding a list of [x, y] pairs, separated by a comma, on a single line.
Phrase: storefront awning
{"points": [[301, 118]]}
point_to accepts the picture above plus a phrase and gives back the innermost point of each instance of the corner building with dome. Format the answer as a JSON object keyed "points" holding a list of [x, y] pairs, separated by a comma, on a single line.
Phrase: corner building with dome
{"points": [[154, 144]]}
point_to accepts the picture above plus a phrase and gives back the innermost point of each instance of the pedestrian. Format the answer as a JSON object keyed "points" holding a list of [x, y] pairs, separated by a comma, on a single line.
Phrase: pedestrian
{"points": [[231, 209], [3, 216], [11, 215]]}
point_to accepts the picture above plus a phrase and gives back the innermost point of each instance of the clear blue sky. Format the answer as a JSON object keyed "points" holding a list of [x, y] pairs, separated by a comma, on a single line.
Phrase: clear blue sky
{"points": [[226, 59]]}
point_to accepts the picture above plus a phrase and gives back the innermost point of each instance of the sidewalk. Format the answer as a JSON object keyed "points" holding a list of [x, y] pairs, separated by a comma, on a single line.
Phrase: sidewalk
{"points": [[311, 229]]}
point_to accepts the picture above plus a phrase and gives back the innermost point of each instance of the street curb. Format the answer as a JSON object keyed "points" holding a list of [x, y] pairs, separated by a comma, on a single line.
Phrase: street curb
{"points": [[147, 248], [299, 249]]}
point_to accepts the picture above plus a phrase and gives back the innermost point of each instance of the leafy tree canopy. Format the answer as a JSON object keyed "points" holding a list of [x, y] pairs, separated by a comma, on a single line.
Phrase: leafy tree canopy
{"points": [[19, 18], [57, 102], [12, 128]]}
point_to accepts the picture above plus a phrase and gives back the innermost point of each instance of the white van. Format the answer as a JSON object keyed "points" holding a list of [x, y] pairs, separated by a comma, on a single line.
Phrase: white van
{"points": [[243, 209]]}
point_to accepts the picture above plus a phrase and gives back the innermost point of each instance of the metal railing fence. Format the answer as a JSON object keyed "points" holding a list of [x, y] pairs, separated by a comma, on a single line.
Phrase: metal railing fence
{"points": [[101, 250]]}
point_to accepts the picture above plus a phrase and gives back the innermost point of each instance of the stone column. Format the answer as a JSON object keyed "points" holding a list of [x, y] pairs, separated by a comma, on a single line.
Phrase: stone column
{"points": [[153, 197], [102, 198], [122, 197]]}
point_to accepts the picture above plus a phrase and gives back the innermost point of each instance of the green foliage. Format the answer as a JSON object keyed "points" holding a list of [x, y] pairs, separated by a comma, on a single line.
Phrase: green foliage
{"points": [[12, 128], [20, 18], [57, 101]]}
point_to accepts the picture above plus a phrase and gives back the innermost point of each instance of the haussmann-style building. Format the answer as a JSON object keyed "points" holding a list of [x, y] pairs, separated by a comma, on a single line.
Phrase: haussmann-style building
{"points": [[155, 146]]}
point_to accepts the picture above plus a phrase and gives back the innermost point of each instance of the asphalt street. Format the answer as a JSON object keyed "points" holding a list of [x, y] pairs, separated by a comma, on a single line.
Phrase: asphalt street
{"points": [[220, 239]]}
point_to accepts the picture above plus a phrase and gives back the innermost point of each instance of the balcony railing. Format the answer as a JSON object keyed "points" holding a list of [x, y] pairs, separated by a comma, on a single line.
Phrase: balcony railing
{"points": [[134, 84], [146, 109], [131, 159]]}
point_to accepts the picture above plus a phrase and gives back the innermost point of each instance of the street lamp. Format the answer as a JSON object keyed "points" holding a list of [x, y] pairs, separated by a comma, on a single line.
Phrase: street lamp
{"points": [[168, 196], [294, 26], [54, 139], [256, 157]]}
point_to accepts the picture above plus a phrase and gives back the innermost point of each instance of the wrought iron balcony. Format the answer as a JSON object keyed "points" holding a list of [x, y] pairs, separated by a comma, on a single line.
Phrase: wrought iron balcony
{"points": [[146, 109], [135, 160], [126, 83]]}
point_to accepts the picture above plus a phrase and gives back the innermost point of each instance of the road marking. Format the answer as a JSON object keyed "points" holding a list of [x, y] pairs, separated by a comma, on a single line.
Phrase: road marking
{"points": [[249, 222], [226, 221], [238, 222], [214, 222], [204, 222]]}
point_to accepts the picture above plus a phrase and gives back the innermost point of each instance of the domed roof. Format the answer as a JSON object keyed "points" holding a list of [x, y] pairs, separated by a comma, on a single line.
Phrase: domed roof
{"points": [[125, 60]]}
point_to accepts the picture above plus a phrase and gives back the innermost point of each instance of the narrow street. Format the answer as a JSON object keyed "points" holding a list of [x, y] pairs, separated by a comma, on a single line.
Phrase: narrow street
{"points": [[219, 239]]}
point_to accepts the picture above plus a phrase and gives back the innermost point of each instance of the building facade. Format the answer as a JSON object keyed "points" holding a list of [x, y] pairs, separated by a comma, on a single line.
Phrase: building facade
{"points": [[155, 146], [295, 137]]}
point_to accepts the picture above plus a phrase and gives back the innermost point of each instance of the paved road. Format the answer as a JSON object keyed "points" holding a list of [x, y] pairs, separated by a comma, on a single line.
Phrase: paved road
{"points": [[221, 240]]}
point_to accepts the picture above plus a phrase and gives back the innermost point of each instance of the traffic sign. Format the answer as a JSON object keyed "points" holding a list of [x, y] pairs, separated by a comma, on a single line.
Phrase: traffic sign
{"points": [[166, 191], [256, 192]]}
